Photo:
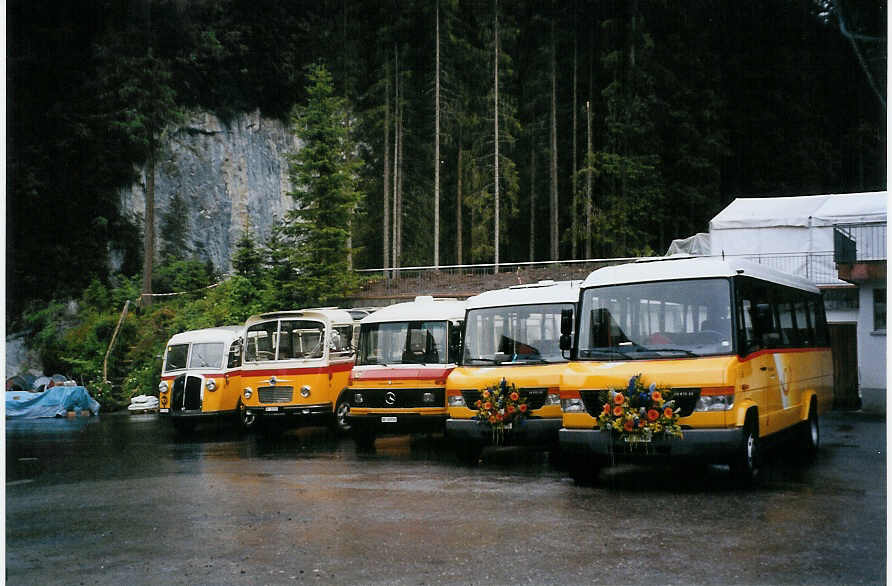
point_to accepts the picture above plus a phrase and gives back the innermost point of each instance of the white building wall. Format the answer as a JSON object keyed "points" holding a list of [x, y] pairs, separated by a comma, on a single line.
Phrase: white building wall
{"points": [[871, 352]]}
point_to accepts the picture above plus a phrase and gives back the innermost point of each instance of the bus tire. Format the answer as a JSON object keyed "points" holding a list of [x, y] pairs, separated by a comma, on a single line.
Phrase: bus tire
{"points": [[584, 471], [245, 421], [363, 436], [746, 463], [342, 407], [468, 452], [810, 434]]}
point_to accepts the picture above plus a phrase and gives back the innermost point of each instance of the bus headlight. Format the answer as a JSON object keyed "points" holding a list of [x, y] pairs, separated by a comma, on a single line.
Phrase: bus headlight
{"points": [[247, 392], [572, 406], [715, 399], [553, 398], [305, 391], [456, 401], [210, 384], [162, 386]]}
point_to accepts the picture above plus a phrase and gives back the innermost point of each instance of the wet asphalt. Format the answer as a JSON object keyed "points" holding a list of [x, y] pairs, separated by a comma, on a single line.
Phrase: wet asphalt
{"points": [[123, 499]]}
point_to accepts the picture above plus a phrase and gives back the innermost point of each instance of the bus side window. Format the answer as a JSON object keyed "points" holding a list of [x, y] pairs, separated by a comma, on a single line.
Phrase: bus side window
{"points": [[235, 355]]}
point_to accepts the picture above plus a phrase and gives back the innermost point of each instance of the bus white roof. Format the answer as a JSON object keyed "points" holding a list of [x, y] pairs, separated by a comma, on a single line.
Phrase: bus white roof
{"points": [[422, 309], [531, 294], [223, 334], [325, 314], [673, 268]]}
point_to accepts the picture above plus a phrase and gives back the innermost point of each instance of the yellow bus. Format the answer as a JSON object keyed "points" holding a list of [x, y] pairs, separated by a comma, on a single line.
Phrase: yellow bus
{"points": [[295, 368], [200, 376], [737, 352], [405, 353], [513, 335]]}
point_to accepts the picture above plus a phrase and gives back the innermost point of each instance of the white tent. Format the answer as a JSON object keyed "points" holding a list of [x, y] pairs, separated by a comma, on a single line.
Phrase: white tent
{"points": [[795, 234]]}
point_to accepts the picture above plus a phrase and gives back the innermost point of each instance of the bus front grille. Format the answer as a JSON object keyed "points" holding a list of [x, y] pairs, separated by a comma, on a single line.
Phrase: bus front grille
{"points": [[275, 394]]}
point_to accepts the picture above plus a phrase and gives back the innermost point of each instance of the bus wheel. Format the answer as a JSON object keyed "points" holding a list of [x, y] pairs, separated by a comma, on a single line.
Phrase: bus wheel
{"points": [[183, 427], [363, 437], [583, 471], [468, 452], [746, 462], [340, 414], [810, 434], [246, 420]]}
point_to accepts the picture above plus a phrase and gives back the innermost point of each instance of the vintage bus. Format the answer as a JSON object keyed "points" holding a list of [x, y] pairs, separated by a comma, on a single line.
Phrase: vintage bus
{"points": [[513, 335], [200, 376], [406, 351], [295, 367], [741, 349]]}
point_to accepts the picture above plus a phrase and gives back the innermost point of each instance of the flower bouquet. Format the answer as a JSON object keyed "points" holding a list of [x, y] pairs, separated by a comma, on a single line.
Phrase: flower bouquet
{"points": [[500, 406], [639, 413]]}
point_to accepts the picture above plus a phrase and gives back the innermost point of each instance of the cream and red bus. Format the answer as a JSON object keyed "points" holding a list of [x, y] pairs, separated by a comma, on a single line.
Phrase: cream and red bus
{"points": [[295, 368], [200, 376], [742, 349], [511, 334], [405, 353]]}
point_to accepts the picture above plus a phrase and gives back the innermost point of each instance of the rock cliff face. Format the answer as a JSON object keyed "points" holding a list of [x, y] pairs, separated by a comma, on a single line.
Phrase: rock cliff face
{"points": [[227, 176]]}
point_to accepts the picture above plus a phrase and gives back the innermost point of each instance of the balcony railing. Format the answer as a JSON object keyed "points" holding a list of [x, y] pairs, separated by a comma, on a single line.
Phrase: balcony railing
{"points": [[854, 243]]}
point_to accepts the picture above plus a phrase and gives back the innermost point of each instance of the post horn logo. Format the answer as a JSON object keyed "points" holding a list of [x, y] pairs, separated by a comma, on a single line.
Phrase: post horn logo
{"points": [[390, 398]]}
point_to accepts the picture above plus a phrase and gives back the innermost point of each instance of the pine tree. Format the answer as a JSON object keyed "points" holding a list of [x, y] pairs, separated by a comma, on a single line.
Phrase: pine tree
{"points": [[324, 175]]}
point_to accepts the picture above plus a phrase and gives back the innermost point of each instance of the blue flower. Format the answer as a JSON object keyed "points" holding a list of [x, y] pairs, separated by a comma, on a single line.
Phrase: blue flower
{"points": [[632, 382], [652, 387]]}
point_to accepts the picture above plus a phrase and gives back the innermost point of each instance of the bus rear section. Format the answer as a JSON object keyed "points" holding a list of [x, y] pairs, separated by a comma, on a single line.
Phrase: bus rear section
{"points": [[405, 353], [200, 376], [505, 391], [736, 352], [296, 365]]}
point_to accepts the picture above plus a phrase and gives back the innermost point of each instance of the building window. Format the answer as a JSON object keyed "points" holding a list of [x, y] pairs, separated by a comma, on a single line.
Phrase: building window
{"points": [[879, 309], [840, 298]]}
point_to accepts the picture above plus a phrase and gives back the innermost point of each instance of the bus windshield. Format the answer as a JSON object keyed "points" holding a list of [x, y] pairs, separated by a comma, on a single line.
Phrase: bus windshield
{"points": [[660, 319], [207, 355], [522, 334], [416, 342]]}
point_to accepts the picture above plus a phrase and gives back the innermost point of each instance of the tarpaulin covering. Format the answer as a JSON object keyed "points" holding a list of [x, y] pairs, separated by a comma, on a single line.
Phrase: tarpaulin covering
{"points": [[53, 402], [801, 228]]}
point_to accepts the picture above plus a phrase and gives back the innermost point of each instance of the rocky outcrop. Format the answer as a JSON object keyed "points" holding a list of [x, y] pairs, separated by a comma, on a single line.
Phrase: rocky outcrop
{"points": [[228, 176]]}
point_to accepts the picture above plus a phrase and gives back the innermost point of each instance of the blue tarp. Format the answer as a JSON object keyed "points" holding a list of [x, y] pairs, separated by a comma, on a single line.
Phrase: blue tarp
{"points": [[53, 402]]}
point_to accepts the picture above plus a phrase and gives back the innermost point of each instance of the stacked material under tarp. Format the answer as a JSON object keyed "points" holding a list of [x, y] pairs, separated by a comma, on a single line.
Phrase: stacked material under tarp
{"points": [[800, 227], [53, 402], [143, 403], [696, 245]]}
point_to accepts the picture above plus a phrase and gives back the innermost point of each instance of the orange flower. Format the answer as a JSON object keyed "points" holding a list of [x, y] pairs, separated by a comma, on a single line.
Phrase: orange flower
{"points": [[618, 399], [492, 418], [653, 414], [514, 396], [618, 410], [522, 407], [667, 412], [606, 408], [510, 409], [487, 405], [641, 423], [499, 417], [478, 403], [656, 396], [486, 394], [629, 425]]}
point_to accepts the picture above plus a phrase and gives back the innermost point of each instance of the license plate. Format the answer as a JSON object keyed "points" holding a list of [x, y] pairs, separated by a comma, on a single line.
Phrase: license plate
{"points": [[164, 410], [271, 408], [388, 420]]}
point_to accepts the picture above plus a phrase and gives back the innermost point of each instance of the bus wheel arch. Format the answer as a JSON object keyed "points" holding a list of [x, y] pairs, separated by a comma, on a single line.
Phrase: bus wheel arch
{"points": [[746, 462]]}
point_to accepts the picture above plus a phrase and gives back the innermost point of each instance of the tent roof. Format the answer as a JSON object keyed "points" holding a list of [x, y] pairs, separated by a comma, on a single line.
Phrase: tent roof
{"points": [[824, 210]]}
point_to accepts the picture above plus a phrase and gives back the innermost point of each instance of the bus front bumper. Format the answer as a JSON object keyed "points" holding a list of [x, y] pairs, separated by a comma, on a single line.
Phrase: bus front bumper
{"points": [[301, 414], [195, 414], [398, 423], [715, 445], [529, 432]]}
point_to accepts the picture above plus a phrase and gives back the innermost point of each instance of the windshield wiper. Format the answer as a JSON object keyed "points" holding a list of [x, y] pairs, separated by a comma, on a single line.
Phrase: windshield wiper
{"points": [[682, 350], [591, 352]]}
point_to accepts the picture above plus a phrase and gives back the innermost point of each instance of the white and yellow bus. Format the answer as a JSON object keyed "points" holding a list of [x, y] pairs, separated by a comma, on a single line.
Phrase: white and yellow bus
{"points": [[295, 368], [405, 353], [200, 376], [742, 350], [511, 334]]}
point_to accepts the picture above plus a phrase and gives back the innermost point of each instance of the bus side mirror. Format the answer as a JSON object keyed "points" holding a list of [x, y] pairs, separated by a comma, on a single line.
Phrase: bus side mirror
{"points": [[566, 329]]}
